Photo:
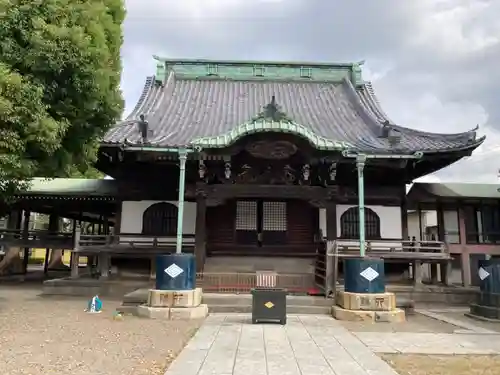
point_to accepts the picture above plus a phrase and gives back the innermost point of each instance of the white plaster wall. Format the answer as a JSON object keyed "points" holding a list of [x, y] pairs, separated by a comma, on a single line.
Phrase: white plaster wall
{"points": [[451, 226], [322, 222], [413, 226], [390, 220], [132, 212]]}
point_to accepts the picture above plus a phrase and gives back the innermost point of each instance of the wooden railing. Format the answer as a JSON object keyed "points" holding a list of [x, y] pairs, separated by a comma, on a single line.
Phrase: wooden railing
{"points": [[36, 239], [127, 243], [330, 253], [391, 249]]}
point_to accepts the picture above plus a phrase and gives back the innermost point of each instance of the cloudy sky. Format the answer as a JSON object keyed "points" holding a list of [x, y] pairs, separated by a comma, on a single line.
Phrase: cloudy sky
{"points": [[434, 63]]}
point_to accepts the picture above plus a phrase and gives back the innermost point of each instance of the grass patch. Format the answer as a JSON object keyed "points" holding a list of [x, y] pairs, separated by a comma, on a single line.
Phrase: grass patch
{"points": [[413, 364]]}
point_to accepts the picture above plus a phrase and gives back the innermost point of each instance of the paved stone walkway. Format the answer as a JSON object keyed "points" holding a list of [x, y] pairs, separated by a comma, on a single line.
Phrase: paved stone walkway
{"points": [[467, 327], [307, 345], [431, 343]]}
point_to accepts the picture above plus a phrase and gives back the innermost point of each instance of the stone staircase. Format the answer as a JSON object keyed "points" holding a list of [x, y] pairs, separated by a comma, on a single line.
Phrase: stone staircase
{"points": [[237, 303]]}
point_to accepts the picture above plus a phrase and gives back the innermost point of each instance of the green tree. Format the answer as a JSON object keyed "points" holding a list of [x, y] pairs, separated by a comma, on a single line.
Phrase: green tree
{"points": [[59, 89], [59, 86]]}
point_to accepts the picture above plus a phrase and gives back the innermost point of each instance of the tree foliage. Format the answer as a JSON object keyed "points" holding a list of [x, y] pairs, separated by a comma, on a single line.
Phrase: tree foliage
{"points": [[59, 86]]}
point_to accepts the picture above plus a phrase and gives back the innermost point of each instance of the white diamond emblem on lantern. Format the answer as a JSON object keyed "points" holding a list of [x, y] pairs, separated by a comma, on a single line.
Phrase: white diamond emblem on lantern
{"points": [[483, 274], [173, 270], [369, 274]]}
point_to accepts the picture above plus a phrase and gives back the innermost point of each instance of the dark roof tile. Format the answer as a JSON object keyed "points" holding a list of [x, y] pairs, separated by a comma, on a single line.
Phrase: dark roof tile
{"points": [[183, 110]]}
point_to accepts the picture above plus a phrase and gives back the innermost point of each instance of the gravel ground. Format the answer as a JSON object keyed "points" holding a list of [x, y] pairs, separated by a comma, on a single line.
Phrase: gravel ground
{"points": [[42, 336], [414, 323], [412, 364]]}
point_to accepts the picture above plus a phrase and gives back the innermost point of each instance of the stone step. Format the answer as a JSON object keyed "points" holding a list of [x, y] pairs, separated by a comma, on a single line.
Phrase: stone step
{"points": [[290, 309], [246, 299], [137, 297], [241, 309], [140, 296]]}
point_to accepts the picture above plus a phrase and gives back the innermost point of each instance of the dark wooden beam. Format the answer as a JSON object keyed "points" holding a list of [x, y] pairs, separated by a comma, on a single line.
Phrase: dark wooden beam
{"points": [[200, 236]]}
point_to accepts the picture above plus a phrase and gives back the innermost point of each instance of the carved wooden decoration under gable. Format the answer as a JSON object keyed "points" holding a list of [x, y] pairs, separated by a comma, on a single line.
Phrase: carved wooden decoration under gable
{"points": [[274, 150], [269, 175]]}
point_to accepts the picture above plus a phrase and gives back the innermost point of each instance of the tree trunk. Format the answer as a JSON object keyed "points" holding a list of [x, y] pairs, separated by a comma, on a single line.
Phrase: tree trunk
{"points": [[56, 260], [12, 262], [56, 256]]}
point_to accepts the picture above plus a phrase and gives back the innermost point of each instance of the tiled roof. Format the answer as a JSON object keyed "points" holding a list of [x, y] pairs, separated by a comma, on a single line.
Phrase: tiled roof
{"points": [[207, 110], [454, 190], [72, 186]]}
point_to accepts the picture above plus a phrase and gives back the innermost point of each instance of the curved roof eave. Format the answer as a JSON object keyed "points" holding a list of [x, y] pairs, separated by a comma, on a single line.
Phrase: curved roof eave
{"points": [[262, 126], [470, 146], [375, 104]]}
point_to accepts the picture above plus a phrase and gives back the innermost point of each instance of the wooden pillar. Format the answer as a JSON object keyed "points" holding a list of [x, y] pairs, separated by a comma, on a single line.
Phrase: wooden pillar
{"points": [[464, 256], [417, 273], [26, 223], [102, 258], [118, 218], [440, 223], [332, 261], [75, 257], [421, 236], [404, 216], [441, 237], [434, 273], [52, 229], [116, 231], [331, 221], [75, 244], [200, 233]]}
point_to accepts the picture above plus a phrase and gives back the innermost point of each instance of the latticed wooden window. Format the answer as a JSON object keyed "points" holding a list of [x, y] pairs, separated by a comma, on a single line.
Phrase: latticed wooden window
{"points": [[246, 215], [274, 216], [160, 219], [274, 223], [349, 224], [246, 222]]}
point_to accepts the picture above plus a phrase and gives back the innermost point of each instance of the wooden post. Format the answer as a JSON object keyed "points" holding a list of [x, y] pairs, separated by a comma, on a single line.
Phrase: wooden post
{"points": [[464, 256], [404, 216], [420, 234], [25, 236], [75, 257], [434, 273], [200, 233], [102, 258], [46, 261], [332, 262], [443, 268], [417, 268], [103, 263], [73, 231], [440, 223]]}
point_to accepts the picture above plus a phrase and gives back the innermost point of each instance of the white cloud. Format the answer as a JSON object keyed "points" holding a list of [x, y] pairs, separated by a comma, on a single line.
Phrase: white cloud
{"points": [[434, 63]]}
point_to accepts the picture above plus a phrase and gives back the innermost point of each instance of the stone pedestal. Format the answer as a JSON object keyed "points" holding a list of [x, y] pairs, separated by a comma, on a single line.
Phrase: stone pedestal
{"points": [[173, 304], [364, 298], [373, 307]]}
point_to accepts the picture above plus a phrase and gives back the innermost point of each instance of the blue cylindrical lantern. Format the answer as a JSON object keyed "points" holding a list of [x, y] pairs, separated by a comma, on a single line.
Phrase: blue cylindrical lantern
{"points": [[364, 275], [175, 272]]}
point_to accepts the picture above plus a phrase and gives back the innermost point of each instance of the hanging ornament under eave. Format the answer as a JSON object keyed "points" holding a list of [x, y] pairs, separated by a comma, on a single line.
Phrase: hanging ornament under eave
{"points": [[94, 306]]}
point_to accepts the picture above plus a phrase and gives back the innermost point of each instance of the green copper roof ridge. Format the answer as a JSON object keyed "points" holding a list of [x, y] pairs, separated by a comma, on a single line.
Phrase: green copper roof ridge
{"points": [[263, 126], [257, 62]]}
